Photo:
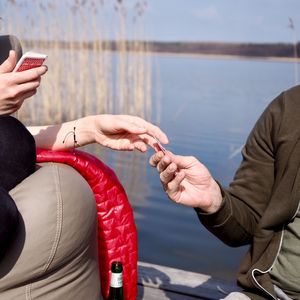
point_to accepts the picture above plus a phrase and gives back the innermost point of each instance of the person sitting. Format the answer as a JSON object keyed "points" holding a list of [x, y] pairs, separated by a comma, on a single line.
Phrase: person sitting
{"points": [[47, 211], [260, 207]]}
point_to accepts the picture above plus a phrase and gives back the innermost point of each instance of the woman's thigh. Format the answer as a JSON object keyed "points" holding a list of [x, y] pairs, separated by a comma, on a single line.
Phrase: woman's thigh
{"points": [[54, 255]]}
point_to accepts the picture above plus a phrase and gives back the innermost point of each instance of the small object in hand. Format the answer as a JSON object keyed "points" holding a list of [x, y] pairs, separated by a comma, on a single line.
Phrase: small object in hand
{"points": [[160, 146], [30, 60]]}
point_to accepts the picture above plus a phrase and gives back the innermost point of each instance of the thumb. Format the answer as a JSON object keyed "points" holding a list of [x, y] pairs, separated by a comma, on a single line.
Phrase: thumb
{"points": [[9, 64], [182, 161]]}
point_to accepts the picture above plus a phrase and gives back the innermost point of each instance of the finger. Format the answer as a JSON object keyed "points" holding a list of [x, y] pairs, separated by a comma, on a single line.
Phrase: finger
{"points": [[29, 86], [174, 186], [150, 128], [28, 95], [156, 158], [17, 102], [168, 174], [120, 144], [9, 64], [152, 141], [29, 75], [131, 127], [155, 131], [183, 162], [164, 163], [140, 146], [17, 90]]}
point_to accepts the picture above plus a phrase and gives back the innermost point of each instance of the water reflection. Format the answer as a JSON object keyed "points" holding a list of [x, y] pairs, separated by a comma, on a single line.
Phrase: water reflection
{"points": [[207, 109]]}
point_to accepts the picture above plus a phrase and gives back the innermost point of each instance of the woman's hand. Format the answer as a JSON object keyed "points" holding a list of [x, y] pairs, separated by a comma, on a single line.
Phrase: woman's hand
{"points": [[124, 132], [187, 181], [118, 132], [15, 87]]}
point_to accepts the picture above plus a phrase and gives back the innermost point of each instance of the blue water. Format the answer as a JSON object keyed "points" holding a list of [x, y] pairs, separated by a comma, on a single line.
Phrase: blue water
{"points": [[207, 107]]}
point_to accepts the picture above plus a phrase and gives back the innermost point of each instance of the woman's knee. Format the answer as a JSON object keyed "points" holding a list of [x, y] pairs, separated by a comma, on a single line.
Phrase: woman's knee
{"points": [[58, 213], [57, 228]]}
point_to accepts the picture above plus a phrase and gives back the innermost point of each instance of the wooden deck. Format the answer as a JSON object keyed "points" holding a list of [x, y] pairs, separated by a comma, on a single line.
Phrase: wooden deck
{"points": [[159, 282]]}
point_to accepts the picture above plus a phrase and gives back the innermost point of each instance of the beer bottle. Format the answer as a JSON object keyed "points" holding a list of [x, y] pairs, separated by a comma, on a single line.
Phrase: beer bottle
{"points": [[116, 281]]}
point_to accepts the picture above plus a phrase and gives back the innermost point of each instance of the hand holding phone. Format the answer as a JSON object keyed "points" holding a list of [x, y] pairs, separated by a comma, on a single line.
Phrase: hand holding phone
{"points": [[30, 60]]}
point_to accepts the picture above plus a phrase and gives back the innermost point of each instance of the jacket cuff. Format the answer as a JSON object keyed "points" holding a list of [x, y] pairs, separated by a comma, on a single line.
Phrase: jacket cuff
{"points": [[219, 217]]}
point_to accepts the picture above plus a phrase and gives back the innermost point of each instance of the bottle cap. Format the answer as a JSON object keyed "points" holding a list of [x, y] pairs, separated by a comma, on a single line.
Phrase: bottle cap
{"points": [[116, 267]]}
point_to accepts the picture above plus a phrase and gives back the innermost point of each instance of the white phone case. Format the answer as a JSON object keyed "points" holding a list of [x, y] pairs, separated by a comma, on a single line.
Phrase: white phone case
{"points": [[30, 60]]}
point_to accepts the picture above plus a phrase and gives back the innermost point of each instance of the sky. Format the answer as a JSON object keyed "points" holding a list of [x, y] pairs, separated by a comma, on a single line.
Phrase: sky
{"points": [[222, 20], [173, 20]]}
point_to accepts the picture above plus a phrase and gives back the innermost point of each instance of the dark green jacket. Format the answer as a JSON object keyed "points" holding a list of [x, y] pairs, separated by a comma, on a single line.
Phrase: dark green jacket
{"points": [[264, 195]]}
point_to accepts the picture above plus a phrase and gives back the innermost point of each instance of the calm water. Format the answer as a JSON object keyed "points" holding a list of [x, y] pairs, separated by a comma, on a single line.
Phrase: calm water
{"points": [[207, 108]]}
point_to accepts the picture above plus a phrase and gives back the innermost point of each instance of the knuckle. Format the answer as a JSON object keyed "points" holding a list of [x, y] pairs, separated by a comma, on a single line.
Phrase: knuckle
{"points": [[8, 80], [36, 84], [156, 127], [35, 72], [12, 92], [158, 168], [163, 177], [19, 104], [191, 158]]}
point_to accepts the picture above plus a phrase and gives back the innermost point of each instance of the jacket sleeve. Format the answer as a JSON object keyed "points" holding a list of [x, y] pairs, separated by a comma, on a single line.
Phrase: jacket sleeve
{"points": [[248, 195]]}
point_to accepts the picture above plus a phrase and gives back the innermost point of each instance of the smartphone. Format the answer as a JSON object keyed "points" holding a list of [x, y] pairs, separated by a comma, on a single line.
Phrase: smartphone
{"points": [[30, 60]]}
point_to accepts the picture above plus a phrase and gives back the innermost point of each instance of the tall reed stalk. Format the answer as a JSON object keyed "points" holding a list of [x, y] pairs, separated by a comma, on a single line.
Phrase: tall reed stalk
{"points": [[85, 75]]}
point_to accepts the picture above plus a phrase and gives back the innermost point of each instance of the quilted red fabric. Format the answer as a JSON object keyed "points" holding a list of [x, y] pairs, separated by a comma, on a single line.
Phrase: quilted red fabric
{"points": [[117, 235]]}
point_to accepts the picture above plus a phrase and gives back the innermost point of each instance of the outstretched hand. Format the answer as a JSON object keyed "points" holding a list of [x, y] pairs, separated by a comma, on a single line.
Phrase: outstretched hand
{"points": [[15, 87], [187, 181], [124, 132]]}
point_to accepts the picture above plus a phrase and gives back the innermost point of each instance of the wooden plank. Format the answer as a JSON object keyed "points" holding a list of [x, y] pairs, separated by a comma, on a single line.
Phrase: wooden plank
{"points": [[165, 280]]}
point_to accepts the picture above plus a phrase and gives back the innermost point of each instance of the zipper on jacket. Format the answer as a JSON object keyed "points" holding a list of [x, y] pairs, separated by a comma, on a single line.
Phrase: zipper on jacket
{"points": [[268, 270], [276, 256]]}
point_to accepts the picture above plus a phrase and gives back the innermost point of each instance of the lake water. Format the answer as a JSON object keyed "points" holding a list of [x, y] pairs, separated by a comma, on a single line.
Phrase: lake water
{"points": [[207, 107]]}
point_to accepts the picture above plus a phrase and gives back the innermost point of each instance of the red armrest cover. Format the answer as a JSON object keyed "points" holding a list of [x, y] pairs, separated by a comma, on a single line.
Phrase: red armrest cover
{"points": [[117, 235]]}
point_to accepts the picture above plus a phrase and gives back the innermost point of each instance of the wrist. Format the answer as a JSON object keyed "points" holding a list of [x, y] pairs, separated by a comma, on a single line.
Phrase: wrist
{"points": [[85, 130], [215, 199]]}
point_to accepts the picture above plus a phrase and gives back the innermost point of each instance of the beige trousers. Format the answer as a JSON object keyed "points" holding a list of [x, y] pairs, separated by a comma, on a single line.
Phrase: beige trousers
{"points": [[54, 254]]}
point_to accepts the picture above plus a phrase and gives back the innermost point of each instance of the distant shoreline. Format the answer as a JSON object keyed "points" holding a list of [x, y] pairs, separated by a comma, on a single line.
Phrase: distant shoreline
{"points": [[225, 57], [286, 52], [258, 51]]}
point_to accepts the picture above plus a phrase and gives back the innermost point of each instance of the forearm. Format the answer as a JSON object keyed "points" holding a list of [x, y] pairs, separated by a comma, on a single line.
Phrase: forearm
{"points": [[247, 197], [66, 135], [233, 223]]}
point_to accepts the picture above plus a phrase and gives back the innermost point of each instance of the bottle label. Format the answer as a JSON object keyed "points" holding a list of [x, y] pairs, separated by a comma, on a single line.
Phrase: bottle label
{"points": [[116, 280]]}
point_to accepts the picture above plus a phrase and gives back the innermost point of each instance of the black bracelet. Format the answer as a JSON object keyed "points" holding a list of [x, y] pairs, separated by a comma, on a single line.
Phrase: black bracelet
{"points": [[72, 132]]}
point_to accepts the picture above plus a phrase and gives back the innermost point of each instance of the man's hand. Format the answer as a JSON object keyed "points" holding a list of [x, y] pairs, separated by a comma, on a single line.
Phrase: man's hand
{"points": [[187, 181]]}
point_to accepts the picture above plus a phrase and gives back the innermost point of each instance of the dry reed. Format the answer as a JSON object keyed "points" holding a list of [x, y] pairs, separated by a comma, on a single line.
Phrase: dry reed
{"points": [[85, 76]]}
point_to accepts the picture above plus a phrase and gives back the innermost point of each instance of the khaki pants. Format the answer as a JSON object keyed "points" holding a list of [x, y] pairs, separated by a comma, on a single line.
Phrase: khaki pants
{"points": [[54, 253]]}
